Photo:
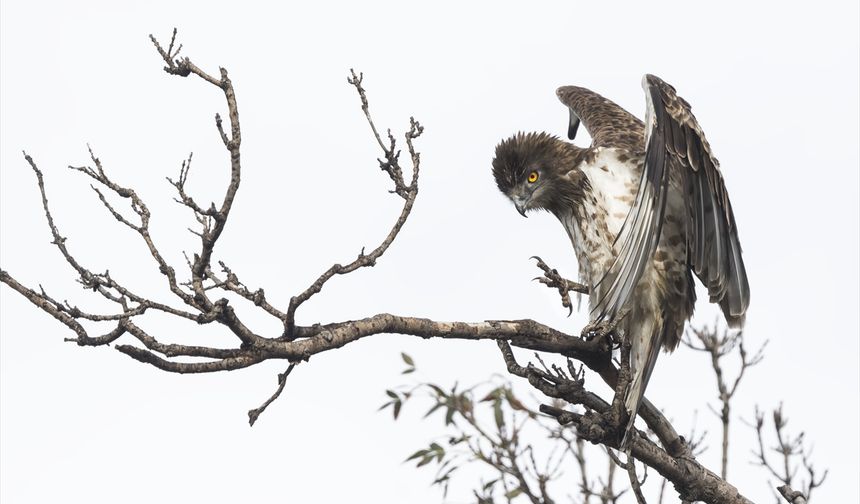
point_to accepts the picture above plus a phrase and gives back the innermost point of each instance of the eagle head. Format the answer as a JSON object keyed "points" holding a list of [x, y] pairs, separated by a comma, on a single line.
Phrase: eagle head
{"points": [[535, 170]]}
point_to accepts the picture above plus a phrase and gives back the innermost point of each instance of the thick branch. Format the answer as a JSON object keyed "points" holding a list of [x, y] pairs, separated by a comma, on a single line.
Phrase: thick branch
{"points": [[791, 495], [692, 480]]}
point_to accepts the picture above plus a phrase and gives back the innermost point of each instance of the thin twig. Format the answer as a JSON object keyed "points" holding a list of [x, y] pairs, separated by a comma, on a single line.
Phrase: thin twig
{"points": [[254, 414], [635, 484], [718, 345]]}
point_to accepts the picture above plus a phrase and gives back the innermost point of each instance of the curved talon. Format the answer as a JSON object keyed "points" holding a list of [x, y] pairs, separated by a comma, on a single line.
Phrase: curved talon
{"points": [[597, 329], [551, 278], [540, 264]]}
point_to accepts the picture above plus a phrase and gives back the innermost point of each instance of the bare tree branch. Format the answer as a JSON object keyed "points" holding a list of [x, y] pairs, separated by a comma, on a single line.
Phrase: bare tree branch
{"points": [[791, 495], [254, 414], [635, 484], [718, 345], [391, 166], [210, 235], [788, 449]]}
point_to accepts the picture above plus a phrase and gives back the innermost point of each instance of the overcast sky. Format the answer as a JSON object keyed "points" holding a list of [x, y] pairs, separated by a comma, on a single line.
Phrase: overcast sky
{"points": [[774, 85]]}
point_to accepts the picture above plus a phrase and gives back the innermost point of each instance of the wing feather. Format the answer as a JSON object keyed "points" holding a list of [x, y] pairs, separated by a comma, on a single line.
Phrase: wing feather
{"points": [[608, 124], [676, 149]]}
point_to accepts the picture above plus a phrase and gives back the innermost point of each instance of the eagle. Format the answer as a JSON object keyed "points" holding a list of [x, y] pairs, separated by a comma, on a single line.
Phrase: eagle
{"points": [[645, 207]]}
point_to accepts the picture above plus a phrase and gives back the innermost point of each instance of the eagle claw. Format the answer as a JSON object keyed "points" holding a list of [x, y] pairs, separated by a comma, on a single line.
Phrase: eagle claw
{"points": [[597, 330], [552, 279]]}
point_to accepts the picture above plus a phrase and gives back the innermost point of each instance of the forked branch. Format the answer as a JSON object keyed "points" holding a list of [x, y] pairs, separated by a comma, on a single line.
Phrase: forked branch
{"points": [[718, 344], [389, 164], [792, 454]]}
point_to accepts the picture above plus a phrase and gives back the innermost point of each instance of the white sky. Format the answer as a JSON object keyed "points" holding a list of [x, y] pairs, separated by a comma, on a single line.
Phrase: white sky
{"points": [[775, 86]]}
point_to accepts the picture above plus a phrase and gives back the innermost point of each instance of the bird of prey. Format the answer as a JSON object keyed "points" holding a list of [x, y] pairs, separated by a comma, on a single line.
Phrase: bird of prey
{"points": [[645, 207]]}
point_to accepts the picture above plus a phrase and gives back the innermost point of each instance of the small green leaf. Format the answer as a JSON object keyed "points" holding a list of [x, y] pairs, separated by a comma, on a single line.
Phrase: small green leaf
{"points": [[446, 476], [434, 408], [407, 359], [438, 390], [438, 451], [491, 396], [397, 405], [391, 394], [490, 484], [419, 453], [449, 416], [426, 460], [408, 370], [514, 493], [497, 411], [444, 465], [384, 406], [513, 401], [466, 405]]}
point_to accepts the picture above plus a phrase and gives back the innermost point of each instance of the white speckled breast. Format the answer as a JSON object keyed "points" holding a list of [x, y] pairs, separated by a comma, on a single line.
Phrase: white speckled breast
{"points": [[614, 180]]}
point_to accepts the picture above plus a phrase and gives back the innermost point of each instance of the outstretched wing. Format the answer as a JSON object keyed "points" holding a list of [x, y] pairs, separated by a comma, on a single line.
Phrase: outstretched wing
{"points": [[676, 148], [608, 124]]}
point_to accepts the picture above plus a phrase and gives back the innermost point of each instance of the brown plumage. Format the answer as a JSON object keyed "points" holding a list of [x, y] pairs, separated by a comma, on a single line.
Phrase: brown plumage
{"points": [[645, 206]]}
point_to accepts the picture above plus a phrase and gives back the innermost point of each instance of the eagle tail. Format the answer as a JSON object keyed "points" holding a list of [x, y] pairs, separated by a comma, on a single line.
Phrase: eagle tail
{"points": [[644, 351]]}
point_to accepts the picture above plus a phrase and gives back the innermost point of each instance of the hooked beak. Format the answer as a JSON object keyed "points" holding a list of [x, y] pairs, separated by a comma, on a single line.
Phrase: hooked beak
{"points": [[520, 205]]}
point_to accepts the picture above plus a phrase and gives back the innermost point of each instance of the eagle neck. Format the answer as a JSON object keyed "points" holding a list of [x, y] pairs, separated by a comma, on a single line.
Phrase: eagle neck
{"points": [[572, 185]]}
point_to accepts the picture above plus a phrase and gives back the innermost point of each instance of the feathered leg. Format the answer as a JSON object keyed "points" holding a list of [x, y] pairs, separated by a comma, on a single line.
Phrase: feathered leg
{"points": [[646, 335]]}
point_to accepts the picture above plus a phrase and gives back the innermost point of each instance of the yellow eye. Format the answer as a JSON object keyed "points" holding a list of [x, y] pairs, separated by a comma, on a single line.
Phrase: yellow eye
{"points": [[533, 176]]}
